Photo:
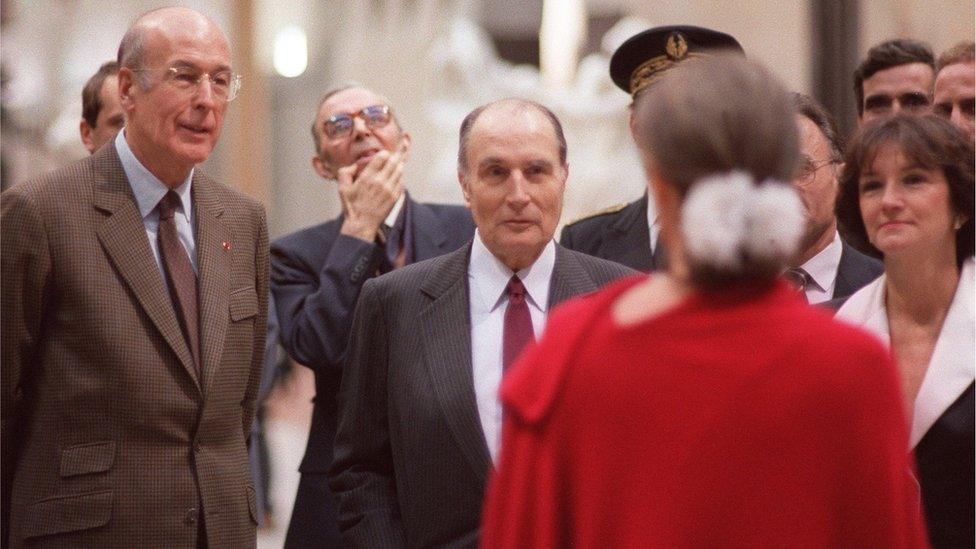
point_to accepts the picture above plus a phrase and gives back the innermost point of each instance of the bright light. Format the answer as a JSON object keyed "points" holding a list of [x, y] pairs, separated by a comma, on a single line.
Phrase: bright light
{"points": [[290, 52]]}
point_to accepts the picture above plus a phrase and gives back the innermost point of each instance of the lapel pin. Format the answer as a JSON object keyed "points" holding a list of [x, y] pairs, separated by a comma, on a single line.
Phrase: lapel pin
{"points": [[226, 246]]}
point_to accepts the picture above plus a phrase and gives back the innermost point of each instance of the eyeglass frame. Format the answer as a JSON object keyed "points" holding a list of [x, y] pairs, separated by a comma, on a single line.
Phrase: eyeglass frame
{"points": [[171, 74], [361, 114], [806, 177]]}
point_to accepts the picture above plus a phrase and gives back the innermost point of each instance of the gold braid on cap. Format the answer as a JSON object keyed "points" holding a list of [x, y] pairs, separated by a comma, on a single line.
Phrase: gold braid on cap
{"points": [[676, 48]]}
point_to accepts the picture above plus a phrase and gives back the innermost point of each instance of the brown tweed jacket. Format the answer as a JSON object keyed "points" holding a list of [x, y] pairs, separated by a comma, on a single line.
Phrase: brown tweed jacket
{"points": [[109, 438]]}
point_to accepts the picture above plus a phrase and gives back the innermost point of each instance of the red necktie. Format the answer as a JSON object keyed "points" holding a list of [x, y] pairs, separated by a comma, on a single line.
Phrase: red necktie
{"points": [[179, 273], [518, 323]]}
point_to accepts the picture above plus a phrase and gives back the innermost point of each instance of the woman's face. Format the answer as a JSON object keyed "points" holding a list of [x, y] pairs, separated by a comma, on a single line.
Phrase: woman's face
{"points": [[905, 206]]}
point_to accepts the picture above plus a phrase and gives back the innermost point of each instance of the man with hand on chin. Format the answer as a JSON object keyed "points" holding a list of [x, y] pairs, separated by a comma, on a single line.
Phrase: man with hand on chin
{"points": [[318, 272]]}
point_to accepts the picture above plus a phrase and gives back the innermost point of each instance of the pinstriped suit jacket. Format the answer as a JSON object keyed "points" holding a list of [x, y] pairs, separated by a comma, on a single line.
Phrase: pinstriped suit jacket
{"points": [[110, 439], [410, 456]]}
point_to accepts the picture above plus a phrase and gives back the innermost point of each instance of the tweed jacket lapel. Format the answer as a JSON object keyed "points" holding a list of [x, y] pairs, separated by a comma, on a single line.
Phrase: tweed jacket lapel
{"points": [[123, 236], [569, 278], [446, 325], [214, 245], [428, 232]]}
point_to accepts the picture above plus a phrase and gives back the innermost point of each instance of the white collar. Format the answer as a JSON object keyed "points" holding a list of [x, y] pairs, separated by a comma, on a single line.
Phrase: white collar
{"points": [[146, 187], [953, 365], [395, 212], [489, 277], [822, 267]]}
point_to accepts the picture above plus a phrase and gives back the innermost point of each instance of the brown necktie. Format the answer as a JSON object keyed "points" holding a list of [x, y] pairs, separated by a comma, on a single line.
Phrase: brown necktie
{"points": [[517, 330], [179, 273]]}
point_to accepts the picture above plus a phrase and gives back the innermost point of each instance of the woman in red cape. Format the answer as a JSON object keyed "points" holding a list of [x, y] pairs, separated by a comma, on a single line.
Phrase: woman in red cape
{"points": [[708, 405]]}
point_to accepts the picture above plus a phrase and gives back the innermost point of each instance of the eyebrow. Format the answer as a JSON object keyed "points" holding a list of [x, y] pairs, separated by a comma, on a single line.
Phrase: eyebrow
{"points": [[184, 63]]}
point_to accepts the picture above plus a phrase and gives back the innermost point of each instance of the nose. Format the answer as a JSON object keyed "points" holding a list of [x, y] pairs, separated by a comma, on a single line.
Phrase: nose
{"points": [[205, 97], [518, 197], [957, 117], [891, 198], [359, 127]]}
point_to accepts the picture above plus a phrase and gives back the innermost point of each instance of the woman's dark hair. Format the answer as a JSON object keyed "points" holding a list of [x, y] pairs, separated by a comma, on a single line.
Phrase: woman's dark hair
{"points": [[717, 115], [930, 142]]}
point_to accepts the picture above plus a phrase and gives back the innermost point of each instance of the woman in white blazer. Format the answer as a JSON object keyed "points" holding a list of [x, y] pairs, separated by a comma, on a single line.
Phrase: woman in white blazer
{"points": [[907, 194]]}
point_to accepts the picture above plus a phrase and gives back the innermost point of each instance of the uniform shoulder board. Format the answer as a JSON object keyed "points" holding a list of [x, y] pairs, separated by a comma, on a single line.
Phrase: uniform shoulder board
{"points": [[608, 210]]}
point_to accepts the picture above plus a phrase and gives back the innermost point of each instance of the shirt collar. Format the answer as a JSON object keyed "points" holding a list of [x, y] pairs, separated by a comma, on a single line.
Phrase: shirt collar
{"points": [[822, 267], [489, 276], [146, 187], [391, 219]]}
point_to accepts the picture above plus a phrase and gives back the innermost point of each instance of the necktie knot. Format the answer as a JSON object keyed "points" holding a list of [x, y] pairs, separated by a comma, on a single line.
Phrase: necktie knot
{"points": [[515, 289], [798, 278], [168, 205]]}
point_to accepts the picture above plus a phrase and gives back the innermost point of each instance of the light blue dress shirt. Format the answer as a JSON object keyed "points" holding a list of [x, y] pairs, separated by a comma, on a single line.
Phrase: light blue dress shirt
{"points": [[149, 190]]}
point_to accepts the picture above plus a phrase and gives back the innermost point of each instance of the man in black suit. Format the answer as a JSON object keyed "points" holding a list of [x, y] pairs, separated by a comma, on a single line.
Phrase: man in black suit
{"points": [[826, 268], [420, 417], [627, 233], [318, 272]]}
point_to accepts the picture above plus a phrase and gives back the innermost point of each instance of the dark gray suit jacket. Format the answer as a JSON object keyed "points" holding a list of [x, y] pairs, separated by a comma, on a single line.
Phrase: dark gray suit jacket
{"points": [[410, 456]]}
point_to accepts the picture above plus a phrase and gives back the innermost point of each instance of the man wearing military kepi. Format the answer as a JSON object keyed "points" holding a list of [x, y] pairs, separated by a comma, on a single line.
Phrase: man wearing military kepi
{"points": [[627, 233]]}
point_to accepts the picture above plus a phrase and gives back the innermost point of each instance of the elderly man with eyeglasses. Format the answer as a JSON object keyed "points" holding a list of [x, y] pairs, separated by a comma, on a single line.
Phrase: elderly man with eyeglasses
{"points": [[825, 269], [134, 303], [317, 273]]}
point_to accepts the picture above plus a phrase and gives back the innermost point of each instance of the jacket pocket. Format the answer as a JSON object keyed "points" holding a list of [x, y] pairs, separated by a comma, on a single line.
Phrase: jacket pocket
{"points": [[82, 459], [243, 304], [70, 513]]}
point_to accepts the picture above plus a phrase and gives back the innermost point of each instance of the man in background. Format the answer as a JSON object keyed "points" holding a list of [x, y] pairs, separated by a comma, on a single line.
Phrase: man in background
{"points": [[955, 86], [101, 111], [318, 272], [825, 268], [627, 233], [895, 76]]}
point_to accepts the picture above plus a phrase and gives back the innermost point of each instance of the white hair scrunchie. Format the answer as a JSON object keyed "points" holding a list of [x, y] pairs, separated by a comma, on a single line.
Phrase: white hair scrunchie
{"points": [[727, 214]]}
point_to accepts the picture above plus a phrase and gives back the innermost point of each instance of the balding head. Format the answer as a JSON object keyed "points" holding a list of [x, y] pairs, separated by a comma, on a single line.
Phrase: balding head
{"points": [[510, 106], [167, 24], [175, 79]]}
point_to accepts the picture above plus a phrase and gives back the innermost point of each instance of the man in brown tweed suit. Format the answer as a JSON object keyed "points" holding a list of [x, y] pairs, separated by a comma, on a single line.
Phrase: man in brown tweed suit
{"points": [[134, 300]]}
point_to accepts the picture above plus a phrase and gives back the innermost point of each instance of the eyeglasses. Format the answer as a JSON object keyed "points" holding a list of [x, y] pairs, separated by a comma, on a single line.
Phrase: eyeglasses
{"points": [[224, 85], [340, 125], [808, 168]]}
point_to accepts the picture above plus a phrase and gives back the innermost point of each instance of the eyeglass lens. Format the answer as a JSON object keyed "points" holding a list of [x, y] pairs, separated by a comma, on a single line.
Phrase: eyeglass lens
{"points": [[374, 116]]}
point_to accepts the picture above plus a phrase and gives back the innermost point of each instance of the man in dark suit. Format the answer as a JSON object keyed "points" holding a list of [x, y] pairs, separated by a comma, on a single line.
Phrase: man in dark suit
{"points": [[826, 268], [101, 113], [627, 233], [127, 399], [420, 417], [317, 273]]}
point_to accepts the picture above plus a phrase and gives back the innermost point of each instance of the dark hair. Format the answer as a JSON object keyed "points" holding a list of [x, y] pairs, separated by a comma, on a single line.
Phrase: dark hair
{"points": [[705, 119], [808, 107], [929, 141], [472, 117], [963, 52], [91, 94], [889, 54]]}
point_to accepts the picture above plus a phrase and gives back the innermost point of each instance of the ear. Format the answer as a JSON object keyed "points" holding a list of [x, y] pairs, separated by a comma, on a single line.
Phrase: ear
{"points": [[406, 140], [126, 80], [86, 136], [462, 179], [323, 168]]}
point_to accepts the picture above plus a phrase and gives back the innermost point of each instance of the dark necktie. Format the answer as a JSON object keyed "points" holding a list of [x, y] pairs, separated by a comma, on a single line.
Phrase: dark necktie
{"points": [[517, 332], [798, 279], [179, 273]]}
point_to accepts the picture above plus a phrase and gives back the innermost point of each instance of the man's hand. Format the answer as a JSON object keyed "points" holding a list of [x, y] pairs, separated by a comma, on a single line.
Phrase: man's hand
{"points": [[368, 197]]}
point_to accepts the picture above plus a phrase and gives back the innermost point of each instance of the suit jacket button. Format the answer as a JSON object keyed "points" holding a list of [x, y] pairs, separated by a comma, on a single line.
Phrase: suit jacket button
{"points": [[191, 516]]}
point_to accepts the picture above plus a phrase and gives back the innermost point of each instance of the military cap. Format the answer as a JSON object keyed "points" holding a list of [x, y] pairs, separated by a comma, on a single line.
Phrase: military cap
{"points": [[643, 57]]}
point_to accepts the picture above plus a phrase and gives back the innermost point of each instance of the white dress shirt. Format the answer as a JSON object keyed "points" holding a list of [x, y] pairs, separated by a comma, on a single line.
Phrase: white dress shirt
{"points": [[822, 269], [148, 191], [487, 282], [952, 367], [653, 229]]}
